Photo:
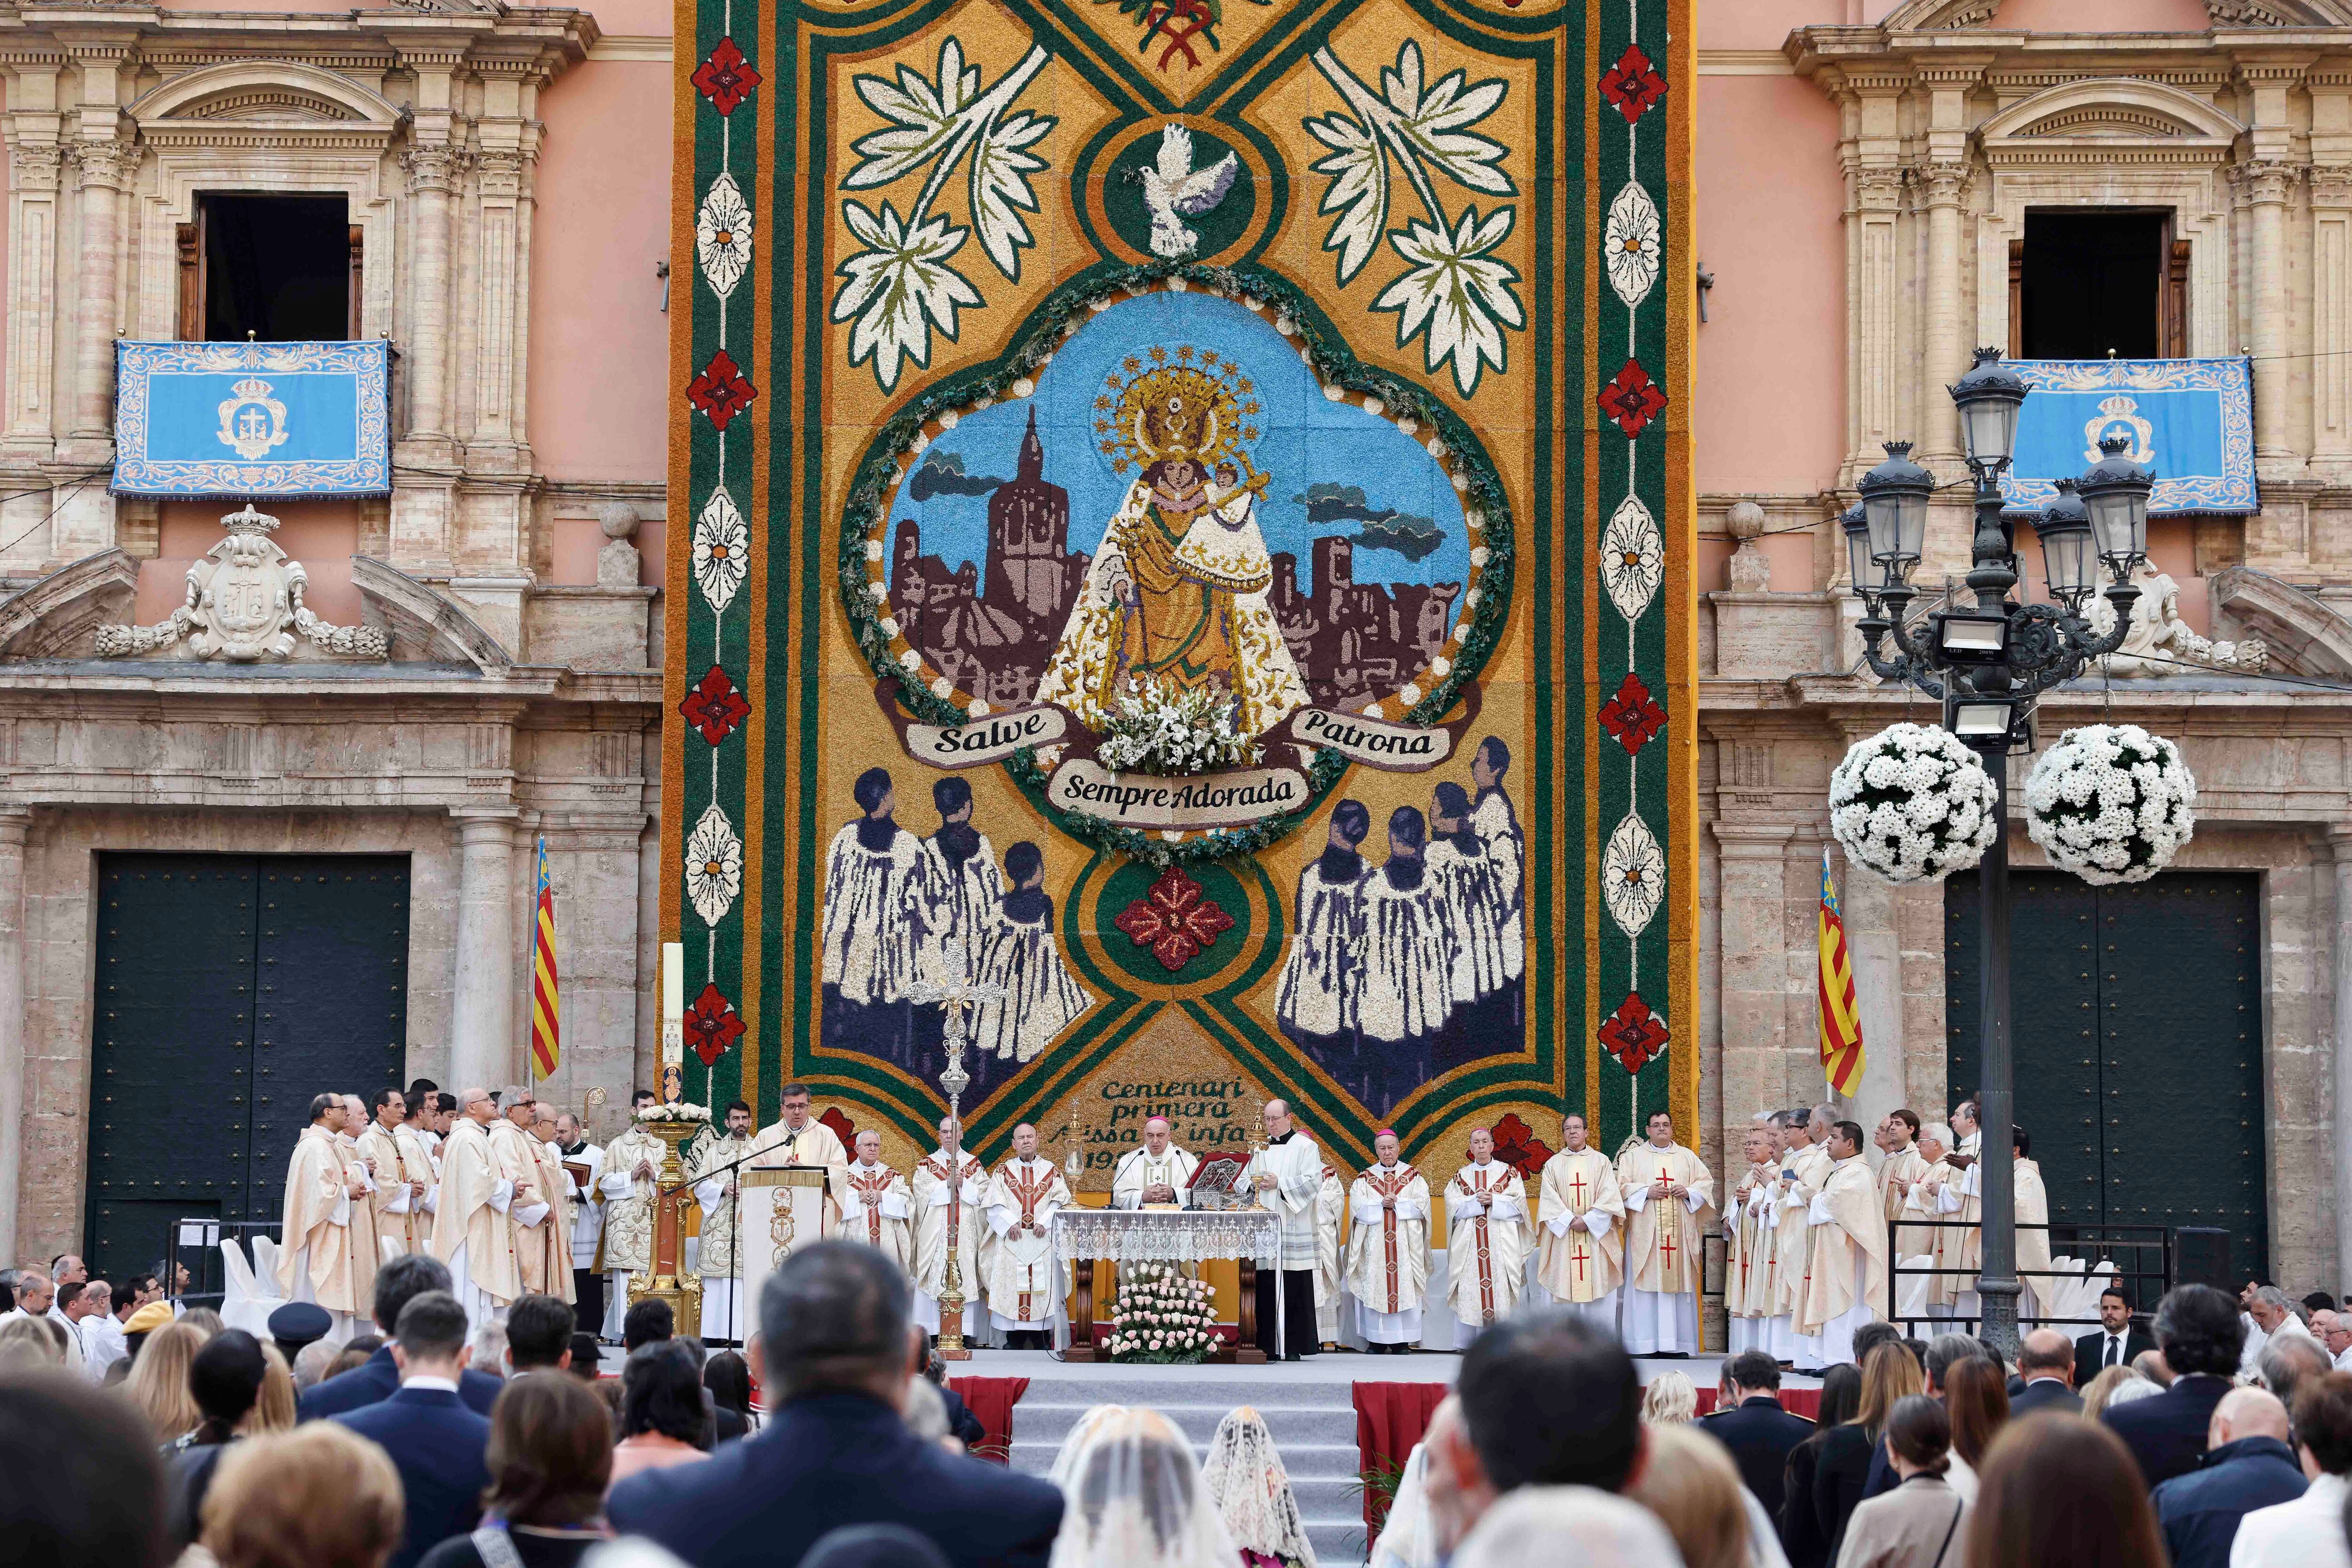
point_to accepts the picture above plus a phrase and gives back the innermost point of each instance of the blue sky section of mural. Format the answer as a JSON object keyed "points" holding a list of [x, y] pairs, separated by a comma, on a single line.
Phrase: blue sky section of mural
{"points": [[1336, 469]]}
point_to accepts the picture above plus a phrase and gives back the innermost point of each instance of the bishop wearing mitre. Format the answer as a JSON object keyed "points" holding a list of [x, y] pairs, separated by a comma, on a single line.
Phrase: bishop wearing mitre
{"points": [[471, 1233], [875, 1205], [1287, 1177], [1847, 1287], [1388, 1252], [314, 1262], [1666, 1189], [1156, 1175], [1749, 1280], [949, 1215], [513, 1146], [1487, 1239], [633, 1163], [1025, 1283], [367, 1250], [1580, 1227]]}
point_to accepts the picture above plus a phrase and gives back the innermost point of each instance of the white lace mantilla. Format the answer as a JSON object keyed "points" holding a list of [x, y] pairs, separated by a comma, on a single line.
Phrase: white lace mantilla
{"points": [[1168, 1235]]}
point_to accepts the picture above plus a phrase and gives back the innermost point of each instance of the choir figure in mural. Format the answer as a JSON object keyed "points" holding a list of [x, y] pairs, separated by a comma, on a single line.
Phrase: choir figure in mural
{"points": [[1400, 970], [873, 925], [960, 893], [1019, 953]]}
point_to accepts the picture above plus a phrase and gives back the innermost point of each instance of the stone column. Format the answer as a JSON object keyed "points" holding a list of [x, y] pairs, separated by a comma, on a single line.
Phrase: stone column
{"points": [[2339, 843], [2268, 186], [1945, 187], [105, 168], [32, 297], [433, 172], [13, 820], [1753, 1000], [482, 1011]]}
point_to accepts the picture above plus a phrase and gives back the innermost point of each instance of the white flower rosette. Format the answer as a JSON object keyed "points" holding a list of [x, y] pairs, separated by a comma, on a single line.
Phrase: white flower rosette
{"points": [[2111, 803], [1912, 804]]}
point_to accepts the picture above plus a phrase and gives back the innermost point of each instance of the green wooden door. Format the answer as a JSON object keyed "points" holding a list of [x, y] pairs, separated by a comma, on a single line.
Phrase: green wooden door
{"points": [[2137, 1046], [230, 989]]}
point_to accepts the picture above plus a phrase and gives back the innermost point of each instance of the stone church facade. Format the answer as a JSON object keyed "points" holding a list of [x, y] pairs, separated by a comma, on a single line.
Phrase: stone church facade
{"points": [[503, 176]]}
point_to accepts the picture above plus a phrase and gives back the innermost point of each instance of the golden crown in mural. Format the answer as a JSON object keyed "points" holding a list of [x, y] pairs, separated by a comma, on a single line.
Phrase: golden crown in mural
{"points": [[1186, 409]]}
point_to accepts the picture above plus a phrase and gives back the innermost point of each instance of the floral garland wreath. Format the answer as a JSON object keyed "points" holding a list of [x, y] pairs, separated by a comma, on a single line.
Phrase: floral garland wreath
{"points": [[894, 450]]}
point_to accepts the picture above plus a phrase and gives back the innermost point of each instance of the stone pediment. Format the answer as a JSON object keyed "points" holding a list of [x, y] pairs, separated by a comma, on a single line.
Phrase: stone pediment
{"points": [[266, 97], [2110, 119]]}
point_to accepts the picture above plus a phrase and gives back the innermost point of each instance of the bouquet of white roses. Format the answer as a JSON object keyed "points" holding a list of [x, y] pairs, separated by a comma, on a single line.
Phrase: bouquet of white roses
{"points": [[658, 1113], [1153, 729], [1161, 1317], [1913, 804], [2111, 802]]}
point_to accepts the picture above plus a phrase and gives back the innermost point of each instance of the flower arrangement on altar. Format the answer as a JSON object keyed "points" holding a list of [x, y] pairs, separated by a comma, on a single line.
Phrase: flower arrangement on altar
{"points": [[658, 1113], [1151, 729], [1911, 803], [2111, 803], [1162, 1318]]}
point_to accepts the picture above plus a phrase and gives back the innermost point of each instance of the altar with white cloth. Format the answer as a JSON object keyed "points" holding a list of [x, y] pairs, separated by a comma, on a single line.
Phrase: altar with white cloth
{"points": [[1251, 1237]]}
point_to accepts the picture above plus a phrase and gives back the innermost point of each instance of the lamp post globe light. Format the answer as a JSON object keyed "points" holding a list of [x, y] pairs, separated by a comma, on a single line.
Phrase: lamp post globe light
{"points": [[1987, 664]]}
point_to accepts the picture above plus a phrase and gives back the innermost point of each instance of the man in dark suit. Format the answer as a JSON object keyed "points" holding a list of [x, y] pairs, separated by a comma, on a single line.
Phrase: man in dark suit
{"points": [[1758, 1433], [2116, 1343], [436, 1442], [397, 1283], [2045, 1362], [2198, 1329], [833, 1347]]}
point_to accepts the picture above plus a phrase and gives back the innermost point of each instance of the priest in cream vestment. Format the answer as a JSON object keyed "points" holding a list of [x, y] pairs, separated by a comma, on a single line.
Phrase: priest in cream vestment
{"points": [[1025, 1282], [514, 1148], [420, 1162], [398, 1199], [718, 1189], [1331, 1203], [1749, 1278], [1155, 1175], [2032, 1206], [1388, 1249], [1898, 1136], [876, 1205], [1805, 1166], [1667, 1189], [628, 1183], [1848, 1285], [314, 1261], [555, 1238], [367, 1250], [1581, 1229], [1487, 1239], [798, 1138], [471, 1231], [941, 1208], [1935, 1197]]}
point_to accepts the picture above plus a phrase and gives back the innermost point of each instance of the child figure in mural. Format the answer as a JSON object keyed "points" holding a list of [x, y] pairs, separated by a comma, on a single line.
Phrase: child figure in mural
{"points": [[1316, 1001], [1041, 995], [961, 890], [872, 927], [1175, 595], [1406, 991], [1470, 887], [1498, 827]]}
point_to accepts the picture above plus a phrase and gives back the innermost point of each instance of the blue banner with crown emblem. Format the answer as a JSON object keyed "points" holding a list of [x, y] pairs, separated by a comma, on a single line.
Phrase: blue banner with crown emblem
{"points": [[2193, 421], [232, 420]]}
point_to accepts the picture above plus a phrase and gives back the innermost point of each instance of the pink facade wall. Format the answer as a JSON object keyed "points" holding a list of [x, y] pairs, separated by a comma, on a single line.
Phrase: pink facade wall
{"points": [[2105, 16], [599, 340]]}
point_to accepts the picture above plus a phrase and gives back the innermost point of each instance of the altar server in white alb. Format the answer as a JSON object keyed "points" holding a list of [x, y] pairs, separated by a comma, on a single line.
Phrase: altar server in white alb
{"points": [[633, 1163], [314, 1261], [1156, 1174], [1025, 1281], [936, 1217], [584, 1173], [1487, 1239], [1580, 1227], [471, 1233], [1287, 1176], [1750, 1282], [1667, 1190], [876, 1205], [1847, 1287], [1388, 1249]]}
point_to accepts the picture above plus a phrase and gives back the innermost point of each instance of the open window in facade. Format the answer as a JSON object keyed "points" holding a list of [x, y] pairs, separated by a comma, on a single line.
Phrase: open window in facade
{"points": [[276, 268], [2098, 283]]}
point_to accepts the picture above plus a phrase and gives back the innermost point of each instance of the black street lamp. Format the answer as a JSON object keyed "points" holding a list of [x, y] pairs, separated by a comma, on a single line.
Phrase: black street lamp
{"points": [[1987, 664]]}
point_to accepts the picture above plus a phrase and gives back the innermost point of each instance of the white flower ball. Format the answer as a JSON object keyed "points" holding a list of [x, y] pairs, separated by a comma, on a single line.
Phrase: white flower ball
{"points": [[2111, 803], [1912, 804]]}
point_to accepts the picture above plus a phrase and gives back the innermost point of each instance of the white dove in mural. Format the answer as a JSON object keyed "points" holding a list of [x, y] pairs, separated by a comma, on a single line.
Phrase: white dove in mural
{"points": [[1174, 191]]}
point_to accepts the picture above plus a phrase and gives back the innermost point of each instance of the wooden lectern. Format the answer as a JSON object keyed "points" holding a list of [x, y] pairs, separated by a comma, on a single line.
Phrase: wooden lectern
{"points": [[783, 1209]]}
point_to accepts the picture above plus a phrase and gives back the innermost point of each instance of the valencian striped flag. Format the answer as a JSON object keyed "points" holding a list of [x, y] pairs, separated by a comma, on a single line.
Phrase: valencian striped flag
{"points": [[546, 1037], [1841, 1025]]}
